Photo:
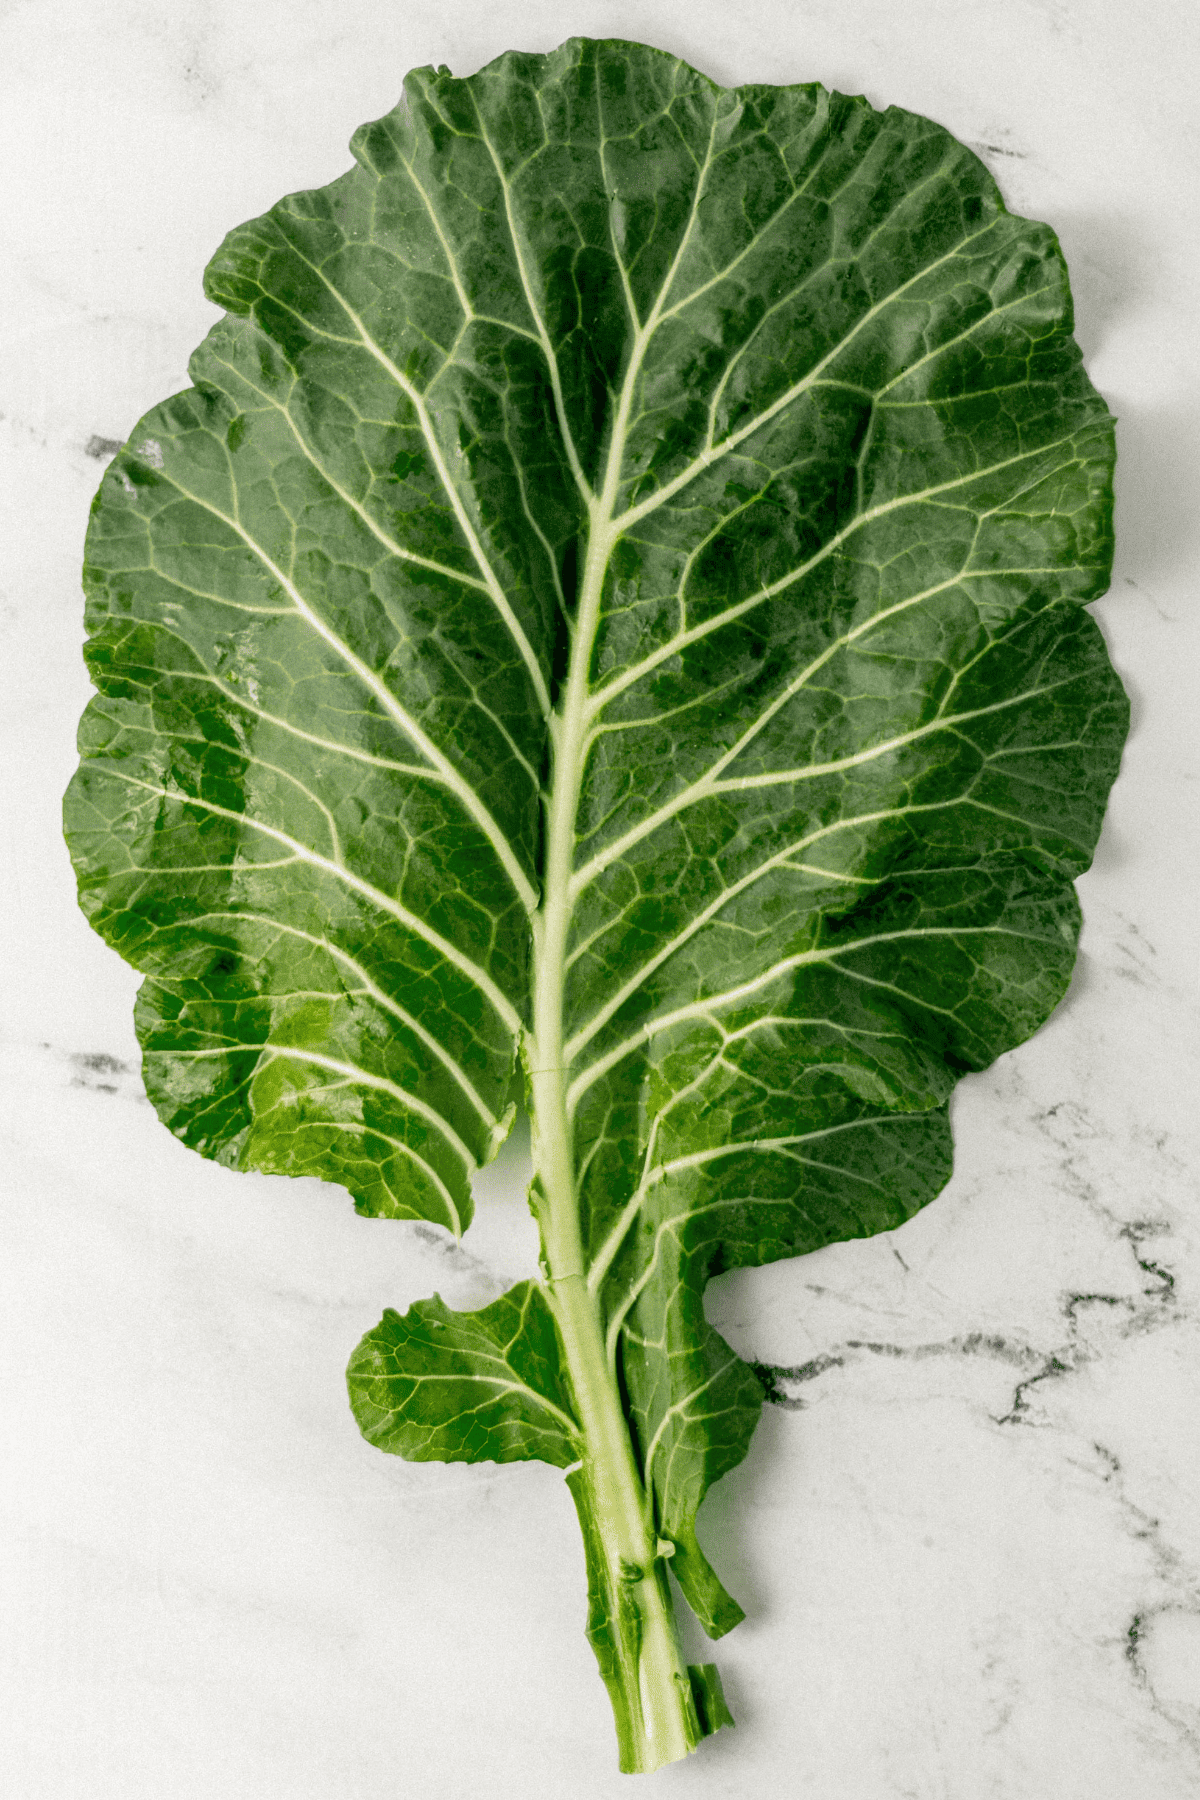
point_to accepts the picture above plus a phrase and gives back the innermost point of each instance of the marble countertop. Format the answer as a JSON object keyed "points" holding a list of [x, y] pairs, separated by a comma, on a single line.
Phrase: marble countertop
{"points": [[968, 1532]]}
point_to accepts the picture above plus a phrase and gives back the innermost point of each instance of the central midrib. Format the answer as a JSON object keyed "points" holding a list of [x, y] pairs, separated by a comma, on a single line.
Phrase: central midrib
{"points": [[569, 732], [654, 1680], [552, 922], [577, 1310]]}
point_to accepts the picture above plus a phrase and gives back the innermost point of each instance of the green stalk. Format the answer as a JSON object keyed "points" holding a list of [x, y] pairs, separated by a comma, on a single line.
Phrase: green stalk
{"points": [[631, 1620]]}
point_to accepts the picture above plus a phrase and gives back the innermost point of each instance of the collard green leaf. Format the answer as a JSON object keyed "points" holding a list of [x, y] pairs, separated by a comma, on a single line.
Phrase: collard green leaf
{"points": [[613, 597]]}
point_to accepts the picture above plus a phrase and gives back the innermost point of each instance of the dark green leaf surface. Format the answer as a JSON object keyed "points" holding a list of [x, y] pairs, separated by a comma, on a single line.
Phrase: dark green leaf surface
{"points": [[710, 476]]}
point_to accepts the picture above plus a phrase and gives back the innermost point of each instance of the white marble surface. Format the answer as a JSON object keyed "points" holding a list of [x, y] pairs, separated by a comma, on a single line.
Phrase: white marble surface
{"points": [[969, 1544]]}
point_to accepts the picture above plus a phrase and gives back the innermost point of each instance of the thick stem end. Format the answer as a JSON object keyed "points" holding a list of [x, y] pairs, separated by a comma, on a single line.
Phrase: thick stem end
{"points": [[663, 1708]]}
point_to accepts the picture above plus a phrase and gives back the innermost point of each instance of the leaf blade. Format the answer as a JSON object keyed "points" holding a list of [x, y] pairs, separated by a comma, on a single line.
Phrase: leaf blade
{"points": [[741, 434]]}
